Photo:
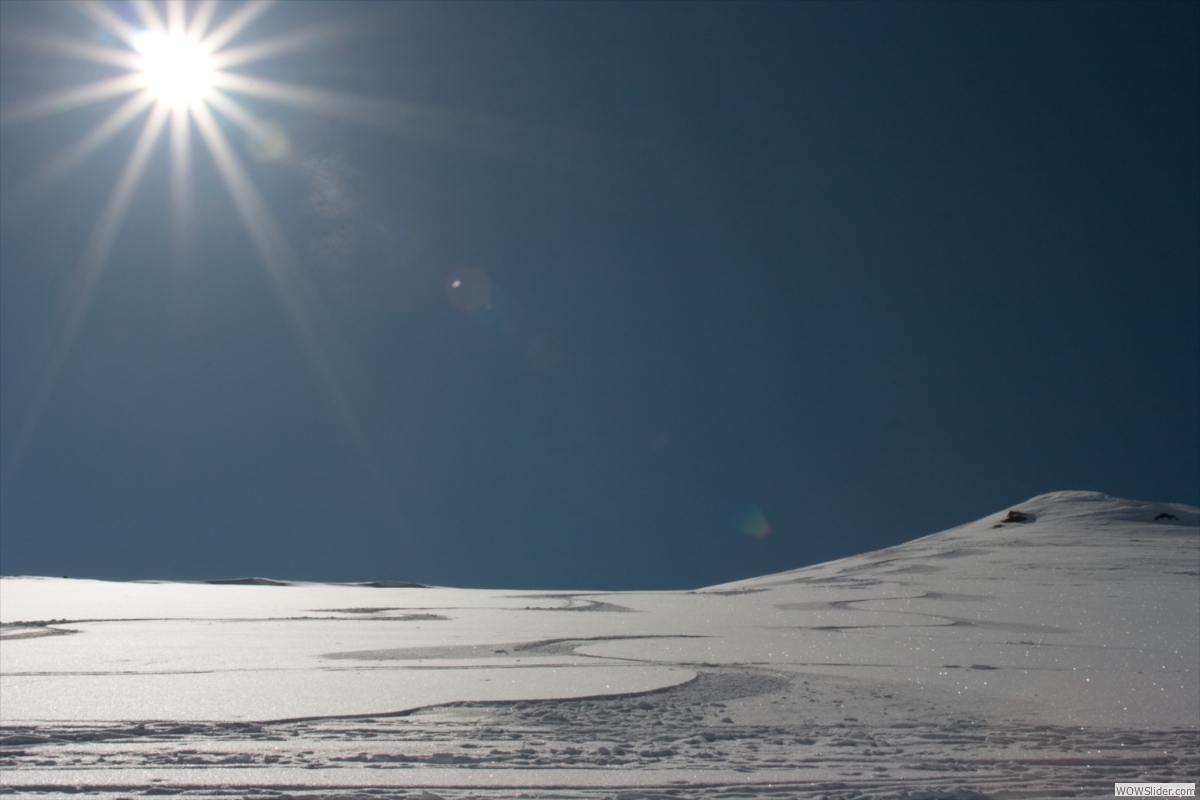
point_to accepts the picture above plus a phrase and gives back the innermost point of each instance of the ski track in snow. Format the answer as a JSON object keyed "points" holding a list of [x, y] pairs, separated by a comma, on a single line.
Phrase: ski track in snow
{"points": [[676, 743], [1051, 657]]}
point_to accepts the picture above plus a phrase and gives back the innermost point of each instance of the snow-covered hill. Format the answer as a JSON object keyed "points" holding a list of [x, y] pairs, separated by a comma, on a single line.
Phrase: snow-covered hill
{"points": [[1051, 648]]}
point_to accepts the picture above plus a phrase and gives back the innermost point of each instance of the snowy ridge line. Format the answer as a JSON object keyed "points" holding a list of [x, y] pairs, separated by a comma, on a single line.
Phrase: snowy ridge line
{"points": [[45, 623], [276, 582], [246, 582]]}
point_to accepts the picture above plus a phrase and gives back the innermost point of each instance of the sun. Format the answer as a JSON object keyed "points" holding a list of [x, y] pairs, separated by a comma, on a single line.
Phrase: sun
{"points": [[179, 78], [178, 75], [177, 70]]}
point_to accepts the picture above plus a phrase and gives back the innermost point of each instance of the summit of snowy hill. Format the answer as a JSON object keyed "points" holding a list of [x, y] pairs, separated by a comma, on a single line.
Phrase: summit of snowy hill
{"points": [[1096, 508], [1063, 521]]}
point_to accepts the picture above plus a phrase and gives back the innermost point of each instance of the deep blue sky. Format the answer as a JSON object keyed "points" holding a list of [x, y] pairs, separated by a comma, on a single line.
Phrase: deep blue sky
{"points": [[862, 271]]}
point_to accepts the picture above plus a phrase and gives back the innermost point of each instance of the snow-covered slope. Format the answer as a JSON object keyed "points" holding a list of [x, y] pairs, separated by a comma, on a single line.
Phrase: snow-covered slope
{"points": [[1050, 648]]}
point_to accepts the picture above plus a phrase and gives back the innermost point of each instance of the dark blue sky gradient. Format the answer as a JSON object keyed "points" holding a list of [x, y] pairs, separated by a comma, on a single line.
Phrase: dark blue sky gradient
{"points": [[865, 271]]}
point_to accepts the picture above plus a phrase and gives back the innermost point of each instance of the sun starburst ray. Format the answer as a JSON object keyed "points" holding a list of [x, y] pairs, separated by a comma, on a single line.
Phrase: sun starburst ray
{"points": [[201, 17], [268, 239], [51, 103], [293, 41], [401, 117], [149, 15], [176, 18], [462, 131], [320, 342], [235, 24], [247, 121], [104, 16], [77, 299], [81, 50], [60, 166], [182, 215], [101, 242]]}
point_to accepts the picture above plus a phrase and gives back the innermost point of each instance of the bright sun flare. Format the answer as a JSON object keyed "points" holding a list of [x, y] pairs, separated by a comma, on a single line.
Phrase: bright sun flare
{"points": [[176, 68], [179, 78], [179, 75]]}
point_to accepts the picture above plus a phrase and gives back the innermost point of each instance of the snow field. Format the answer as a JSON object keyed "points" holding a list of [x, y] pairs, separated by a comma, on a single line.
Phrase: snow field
{"points": [[1051, 656]]}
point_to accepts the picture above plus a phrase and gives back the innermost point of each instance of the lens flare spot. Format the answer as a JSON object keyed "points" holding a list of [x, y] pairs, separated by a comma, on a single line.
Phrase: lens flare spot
{"points": [[268, 142], [469, 289], [751, 522]]}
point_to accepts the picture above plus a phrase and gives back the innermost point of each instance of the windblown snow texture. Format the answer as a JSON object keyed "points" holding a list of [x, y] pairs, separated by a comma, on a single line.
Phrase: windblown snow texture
{"points": [[1050, 649]]}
